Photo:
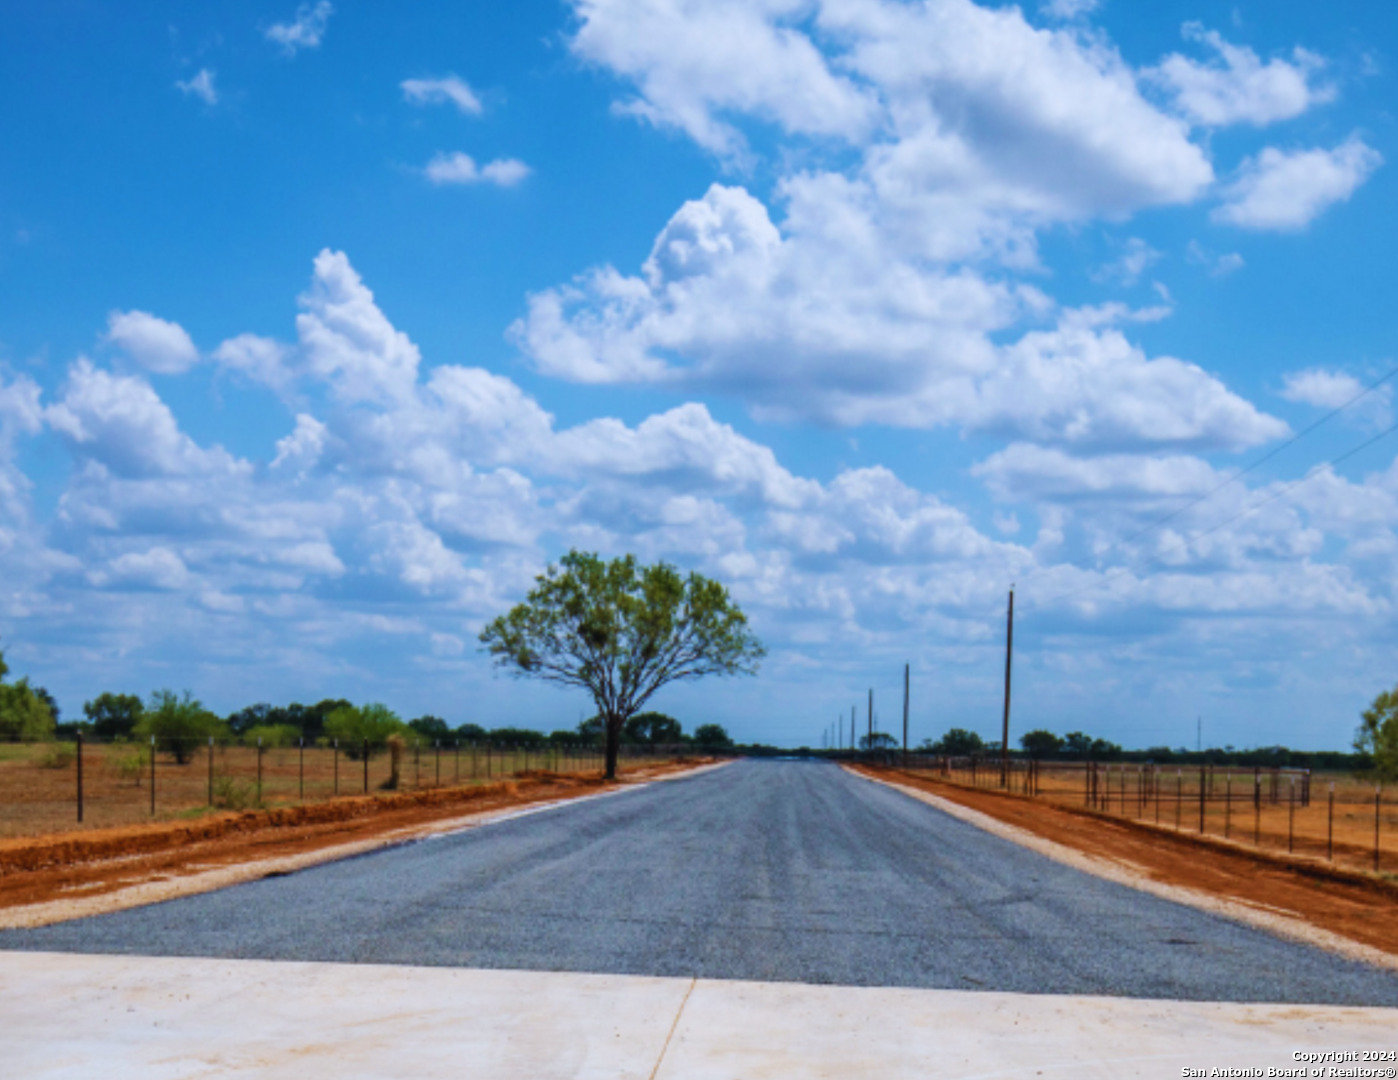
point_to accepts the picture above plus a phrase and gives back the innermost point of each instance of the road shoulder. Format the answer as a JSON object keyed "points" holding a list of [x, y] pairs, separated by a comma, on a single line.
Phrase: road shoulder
{"points": [[1356, 923]]}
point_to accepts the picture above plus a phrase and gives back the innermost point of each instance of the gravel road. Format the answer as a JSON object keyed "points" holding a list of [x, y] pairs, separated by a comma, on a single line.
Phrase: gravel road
{"points": [[764, 870]]}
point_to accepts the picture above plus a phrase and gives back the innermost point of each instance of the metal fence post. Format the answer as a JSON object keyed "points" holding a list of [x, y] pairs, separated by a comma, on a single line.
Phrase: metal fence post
{"points": [[1330, 826], [1202, 796], [152, 776], [301, 767], [439, 763], [1228, 805], [1378, 807], [1179, 796], [80, 777], [335, 757], [366, 766], [211, 770], [1291, 819], [259, 770], [1257, 809]]}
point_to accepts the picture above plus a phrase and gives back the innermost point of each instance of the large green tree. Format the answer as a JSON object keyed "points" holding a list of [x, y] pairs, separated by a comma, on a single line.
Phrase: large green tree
{"points": [[621, 631], [1378, 733], [24, 715]]}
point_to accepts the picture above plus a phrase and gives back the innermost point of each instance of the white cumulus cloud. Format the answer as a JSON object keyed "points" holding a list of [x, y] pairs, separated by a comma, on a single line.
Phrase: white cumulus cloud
{"points": [[1235, 86], [1285, 190], [157, 345]]}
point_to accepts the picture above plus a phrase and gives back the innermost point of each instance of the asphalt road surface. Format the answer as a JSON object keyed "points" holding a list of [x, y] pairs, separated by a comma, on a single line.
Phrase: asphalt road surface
{"points": [[763, 870]]}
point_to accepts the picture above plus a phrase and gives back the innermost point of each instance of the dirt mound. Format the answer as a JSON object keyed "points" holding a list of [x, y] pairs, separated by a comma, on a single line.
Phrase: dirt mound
{"points": [[145, 863]]}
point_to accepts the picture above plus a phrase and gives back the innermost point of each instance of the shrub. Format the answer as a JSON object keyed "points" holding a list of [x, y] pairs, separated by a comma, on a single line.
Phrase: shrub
{"points": [[354, 725], [130, 764], [231, 794], [179, 725], [58, 756]]}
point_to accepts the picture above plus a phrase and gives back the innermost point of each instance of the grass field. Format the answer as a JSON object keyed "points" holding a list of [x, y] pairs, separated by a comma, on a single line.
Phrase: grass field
{"points": [[1346, 820], [38, 781]]}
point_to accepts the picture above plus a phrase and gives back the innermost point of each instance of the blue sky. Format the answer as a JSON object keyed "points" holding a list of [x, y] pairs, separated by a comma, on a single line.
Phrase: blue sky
{"points": [[323, 328]]}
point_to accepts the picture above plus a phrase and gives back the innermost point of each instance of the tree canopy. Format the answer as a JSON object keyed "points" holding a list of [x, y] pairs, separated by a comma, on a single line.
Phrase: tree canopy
{"points": [[712, 737], [1040, 744], [1378, 733], [652, 729], [24, 714], [958, 742], [621, 631], [114, 716]]}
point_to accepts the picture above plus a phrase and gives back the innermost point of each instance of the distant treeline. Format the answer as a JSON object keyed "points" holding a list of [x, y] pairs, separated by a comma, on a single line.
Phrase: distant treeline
{"points": [[1077, 746], [174, 720], [1044, 745]]}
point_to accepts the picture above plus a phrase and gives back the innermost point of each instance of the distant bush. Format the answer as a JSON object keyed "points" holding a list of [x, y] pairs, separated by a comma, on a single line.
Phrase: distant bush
{"points": [[231, 794], [179, 725], [272, 735], [58, 756], [712, 737]]}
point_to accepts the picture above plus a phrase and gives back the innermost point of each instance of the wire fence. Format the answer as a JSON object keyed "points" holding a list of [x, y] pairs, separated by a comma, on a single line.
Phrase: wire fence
{"points": [[1338, 818], [50, 787]]}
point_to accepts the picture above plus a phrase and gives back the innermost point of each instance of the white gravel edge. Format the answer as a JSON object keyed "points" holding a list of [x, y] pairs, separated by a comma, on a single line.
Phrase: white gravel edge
{"points": [[1122, 873]]}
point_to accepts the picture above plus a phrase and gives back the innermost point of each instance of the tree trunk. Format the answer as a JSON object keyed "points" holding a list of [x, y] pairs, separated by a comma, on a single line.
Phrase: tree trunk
{"points": [[613, 728]]}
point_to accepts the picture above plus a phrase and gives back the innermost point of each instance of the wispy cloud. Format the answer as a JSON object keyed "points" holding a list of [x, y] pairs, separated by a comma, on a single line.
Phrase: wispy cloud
{"points": [[201, 86], [449, 89], [459, 168], [305, 31]]}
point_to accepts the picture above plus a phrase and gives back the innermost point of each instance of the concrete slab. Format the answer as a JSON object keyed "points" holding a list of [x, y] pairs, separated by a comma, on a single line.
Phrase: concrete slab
{"points": [[70, 1016]]}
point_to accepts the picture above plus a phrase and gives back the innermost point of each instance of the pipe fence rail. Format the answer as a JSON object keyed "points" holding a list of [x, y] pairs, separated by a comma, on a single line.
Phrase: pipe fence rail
{"points": [[52, 787], [1345, 821]]}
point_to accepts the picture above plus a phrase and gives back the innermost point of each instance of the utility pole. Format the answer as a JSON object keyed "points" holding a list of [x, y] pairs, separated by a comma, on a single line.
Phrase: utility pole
{"points": [[853, 731], [1005, 727], [906, 670], [871, 718], [1199, 734]]}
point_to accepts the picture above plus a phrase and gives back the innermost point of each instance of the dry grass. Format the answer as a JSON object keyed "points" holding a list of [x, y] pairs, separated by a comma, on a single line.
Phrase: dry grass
{"points": [[1342, 831]]}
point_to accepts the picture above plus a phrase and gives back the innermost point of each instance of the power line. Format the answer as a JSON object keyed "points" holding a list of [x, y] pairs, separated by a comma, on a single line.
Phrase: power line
{"points": [[1317, 470], [1238, 475], [1259, 462]]}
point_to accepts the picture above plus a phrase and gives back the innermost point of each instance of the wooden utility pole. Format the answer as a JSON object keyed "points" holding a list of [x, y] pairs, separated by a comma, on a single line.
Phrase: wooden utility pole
{"points": [[907, 668], [1005, 726]]}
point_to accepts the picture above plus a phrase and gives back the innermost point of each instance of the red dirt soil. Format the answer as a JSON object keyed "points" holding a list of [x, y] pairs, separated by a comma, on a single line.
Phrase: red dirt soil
{"points": [[36, 870], [1360, 907]]}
